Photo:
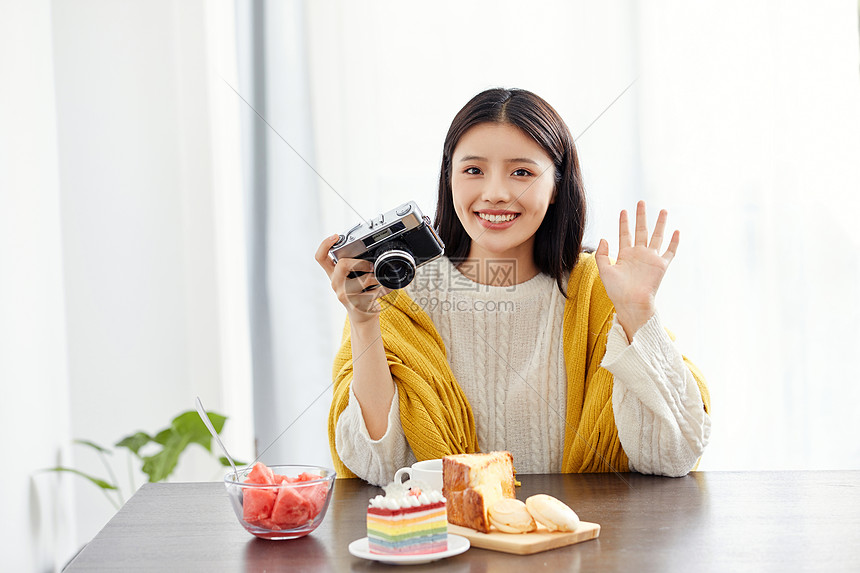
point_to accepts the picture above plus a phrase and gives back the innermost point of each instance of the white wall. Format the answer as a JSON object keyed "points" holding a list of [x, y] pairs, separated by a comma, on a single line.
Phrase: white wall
{"points": [[37, 531]]}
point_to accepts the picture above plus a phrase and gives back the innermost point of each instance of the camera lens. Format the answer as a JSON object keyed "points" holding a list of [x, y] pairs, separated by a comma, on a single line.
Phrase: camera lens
{"points": [[394, 269]]}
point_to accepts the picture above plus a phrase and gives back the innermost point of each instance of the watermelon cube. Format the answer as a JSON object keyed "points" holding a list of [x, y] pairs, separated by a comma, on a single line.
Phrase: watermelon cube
{"points": [[315, 496], [291, 509], [257, 503], [261, 474]]}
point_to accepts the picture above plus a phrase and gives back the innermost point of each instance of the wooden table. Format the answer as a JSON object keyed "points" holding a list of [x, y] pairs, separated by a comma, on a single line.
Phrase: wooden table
{"points": [[707, 521]]}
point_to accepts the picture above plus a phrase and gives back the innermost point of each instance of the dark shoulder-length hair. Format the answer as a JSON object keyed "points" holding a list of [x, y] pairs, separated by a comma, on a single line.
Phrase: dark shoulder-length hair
{"points": [[558, 240]]}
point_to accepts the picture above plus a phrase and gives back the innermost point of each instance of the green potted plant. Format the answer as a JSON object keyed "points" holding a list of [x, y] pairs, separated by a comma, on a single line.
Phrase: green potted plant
{"points": [[158, 453]]}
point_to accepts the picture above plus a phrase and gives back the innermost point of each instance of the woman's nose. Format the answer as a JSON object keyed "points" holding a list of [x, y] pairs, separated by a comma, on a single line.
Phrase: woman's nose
{"points": [[497, 190]]}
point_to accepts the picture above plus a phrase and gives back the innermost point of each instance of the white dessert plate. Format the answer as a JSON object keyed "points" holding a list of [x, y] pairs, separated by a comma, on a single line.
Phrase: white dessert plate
{"points": [[456, 545]]}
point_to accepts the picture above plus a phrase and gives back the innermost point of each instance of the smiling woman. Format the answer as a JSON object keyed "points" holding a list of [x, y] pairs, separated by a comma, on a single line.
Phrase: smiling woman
{"points": [[533, 372]]}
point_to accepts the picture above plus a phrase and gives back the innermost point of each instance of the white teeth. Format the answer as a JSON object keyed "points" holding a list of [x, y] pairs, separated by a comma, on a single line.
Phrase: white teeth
{"points": [[498, 218]]}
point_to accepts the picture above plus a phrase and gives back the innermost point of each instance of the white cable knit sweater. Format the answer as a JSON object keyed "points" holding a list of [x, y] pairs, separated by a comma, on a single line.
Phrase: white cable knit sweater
{"points": [[504, 346]]}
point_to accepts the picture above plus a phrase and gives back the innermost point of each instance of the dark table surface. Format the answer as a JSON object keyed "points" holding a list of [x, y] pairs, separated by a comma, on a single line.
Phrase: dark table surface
{"points": [[706, 521]]}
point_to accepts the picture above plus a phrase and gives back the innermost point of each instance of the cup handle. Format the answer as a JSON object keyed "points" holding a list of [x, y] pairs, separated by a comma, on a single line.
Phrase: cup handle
{"points": [[398, 477]]}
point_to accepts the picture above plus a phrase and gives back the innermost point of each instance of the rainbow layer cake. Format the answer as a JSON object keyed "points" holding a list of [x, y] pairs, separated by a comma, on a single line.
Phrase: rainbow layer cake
{"points": [[407, 521]]}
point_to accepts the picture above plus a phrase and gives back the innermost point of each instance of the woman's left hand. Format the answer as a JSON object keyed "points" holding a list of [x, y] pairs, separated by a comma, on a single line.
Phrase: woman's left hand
{"points": [[633, 280]]}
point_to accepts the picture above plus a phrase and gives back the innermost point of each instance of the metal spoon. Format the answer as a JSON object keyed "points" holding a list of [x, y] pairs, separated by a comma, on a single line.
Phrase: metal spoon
{"points": [[204, 415]]}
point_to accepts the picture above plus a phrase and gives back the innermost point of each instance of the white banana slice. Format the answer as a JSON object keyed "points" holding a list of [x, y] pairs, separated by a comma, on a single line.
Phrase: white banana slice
{"points": [[511, 516], [552, 513]]}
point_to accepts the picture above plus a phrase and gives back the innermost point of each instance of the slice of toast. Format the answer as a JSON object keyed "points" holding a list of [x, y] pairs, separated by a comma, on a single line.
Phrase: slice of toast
{"points": [[472, 483]]}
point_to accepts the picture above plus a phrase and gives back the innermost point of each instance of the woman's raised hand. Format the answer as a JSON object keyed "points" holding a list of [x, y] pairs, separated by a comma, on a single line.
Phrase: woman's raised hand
{"points": [[633, 280], [360, 295]]}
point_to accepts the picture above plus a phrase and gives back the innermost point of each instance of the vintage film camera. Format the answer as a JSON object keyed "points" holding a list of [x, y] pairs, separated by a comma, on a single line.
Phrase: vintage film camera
{"points": [[396, 242]]}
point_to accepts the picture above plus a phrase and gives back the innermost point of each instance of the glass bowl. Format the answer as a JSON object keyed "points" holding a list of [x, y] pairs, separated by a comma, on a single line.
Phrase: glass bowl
{"points": [[292, 506]]}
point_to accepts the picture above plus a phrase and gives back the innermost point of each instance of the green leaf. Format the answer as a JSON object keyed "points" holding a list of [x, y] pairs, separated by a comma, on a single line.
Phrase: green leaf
{"points": [[163, 436], [99, 482], [184, 429], [93, 445], [189, 425], [225, 462], [134, 442], [162, 464]]}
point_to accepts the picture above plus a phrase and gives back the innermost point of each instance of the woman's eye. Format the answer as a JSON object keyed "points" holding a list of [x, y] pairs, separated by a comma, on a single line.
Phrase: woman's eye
{"points": [[472, 171], [522, 173]]}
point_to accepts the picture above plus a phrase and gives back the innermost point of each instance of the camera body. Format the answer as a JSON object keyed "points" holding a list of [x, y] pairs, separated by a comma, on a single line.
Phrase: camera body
{"points": [[396, 242]]}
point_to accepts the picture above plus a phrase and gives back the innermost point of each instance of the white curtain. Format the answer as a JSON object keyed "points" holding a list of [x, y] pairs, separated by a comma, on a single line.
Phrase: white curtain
{"points": [[38, 528], [288, 296], [740, 118], [750, 117], [122, 262]]}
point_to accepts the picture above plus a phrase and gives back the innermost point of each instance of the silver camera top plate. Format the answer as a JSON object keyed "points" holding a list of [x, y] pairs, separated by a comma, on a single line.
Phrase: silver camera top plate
{"points": [[383, 227]]}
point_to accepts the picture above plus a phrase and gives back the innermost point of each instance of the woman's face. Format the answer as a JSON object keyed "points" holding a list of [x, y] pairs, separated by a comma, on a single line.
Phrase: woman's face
{"points": [[502, 182]]}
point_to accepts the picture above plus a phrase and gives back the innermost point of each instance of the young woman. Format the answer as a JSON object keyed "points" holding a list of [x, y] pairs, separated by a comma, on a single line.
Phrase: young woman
{"points": [[517, 339]]}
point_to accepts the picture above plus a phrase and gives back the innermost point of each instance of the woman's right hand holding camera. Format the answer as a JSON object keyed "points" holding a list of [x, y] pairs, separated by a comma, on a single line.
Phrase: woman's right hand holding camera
{"points": [[358, 294], [371, 378]]}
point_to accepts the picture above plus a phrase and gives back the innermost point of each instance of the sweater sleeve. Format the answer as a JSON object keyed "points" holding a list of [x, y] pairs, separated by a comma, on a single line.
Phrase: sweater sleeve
{"points": [[658, 408], [372, 460]]}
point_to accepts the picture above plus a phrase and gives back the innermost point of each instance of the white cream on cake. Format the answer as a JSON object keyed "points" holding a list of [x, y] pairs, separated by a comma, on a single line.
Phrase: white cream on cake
{"points": [[403, 500]]}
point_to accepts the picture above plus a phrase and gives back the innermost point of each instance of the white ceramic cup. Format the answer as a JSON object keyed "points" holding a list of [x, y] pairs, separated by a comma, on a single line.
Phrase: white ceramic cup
{"points": [[428, 471]]}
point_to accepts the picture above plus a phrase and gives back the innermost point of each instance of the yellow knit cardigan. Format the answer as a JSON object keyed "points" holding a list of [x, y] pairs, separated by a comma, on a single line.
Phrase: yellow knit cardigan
{"points": [[434, 412]]}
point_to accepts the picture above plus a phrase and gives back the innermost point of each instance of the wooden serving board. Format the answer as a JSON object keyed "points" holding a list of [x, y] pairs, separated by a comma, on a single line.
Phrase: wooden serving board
{"points": [[527, 543]]}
